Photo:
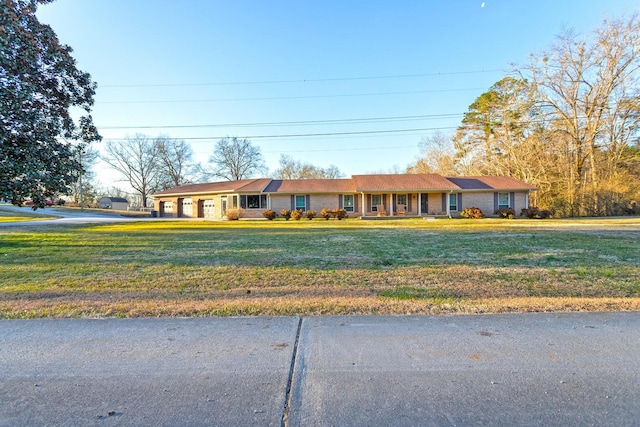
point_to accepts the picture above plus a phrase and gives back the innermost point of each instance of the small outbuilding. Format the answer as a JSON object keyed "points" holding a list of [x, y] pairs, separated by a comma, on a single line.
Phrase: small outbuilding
{"points": [[117, 203]]}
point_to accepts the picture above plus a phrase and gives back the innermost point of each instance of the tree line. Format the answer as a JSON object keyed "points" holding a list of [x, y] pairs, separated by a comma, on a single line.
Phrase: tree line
{"points": [[568, 123]]}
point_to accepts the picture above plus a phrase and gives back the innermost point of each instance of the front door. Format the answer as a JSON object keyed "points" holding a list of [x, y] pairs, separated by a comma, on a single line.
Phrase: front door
{"points": [[424, 203]]}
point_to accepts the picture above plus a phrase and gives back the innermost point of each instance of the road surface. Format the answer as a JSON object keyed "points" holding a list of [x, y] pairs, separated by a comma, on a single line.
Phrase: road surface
{"points": [[511, 370]]}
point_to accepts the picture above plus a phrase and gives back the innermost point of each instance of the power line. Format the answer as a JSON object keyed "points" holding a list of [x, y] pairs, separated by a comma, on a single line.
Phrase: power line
{"points": [[258, 82], [329, 150], [302, 135], [290, 97], [296, 123]]}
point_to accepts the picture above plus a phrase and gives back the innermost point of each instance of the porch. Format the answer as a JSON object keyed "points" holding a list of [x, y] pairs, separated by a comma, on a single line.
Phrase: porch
{"points": [[405, 205]]}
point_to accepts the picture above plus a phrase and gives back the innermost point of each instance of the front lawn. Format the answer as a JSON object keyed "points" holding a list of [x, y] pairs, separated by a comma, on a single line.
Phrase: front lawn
{"points": [[199, 268]]}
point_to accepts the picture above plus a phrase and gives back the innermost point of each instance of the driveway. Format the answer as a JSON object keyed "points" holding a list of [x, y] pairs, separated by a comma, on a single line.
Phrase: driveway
{"points": [[512, 370], [66, 216]]}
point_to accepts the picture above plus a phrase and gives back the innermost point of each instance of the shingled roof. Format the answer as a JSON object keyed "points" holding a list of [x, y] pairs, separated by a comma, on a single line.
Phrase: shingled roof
{"points": [[310, 186], [246, 185], [402, 182], [377, 183], [490, 183]]}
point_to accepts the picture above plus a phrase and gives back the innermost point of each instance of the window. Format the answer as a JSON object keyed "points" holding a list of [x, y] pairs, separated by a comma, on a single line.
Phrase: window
{"points": [[301, 203], [401, 199], [503, 200], [253, 201], [453, 202], [376, 199], [347, 202]]}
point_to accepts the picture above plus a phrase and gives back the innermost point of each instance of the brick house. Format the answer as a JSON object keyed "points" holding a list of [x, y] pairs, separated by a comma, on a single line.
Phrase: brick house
{"points": [[409, 195]]}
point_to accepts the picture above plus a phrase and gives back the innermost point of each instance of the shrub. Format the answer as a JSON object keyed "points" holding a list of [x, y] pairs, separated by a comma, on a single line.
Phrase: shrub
{"points": [[536, 213], [286, 214], [333, 213], [325, 213], [269, 214], [296, 214], [472, 213], [310, 214], [234, 214], [60, 202], [507, 213], [339, 213]]}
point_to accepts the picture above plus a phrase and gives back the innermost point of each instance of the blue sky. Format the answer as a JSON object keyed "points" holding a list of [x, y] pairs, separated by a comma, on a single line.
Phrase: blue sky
{"points": [[203, 68]]}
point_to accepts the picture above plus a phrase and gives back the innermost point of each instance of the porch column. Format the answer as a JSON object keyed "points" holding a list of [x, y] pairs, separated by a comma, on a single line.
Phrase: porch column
{"points": [[390, 204], [419, 204], [449, 204], [364, 212]]}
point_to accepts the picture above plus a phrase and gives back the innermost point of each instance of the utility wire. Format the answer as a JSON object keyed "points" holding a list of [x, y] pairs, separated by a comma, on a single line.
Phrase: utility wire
{"points": [[302, 135], [296, 123], [336, 79], [291, 97]]}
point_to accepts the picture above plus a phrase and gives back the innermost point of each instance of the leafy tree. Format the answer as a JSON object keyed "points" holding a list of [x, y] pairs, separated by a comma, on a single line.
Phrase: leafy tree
{"points": [[495, 130], [138, 160], [39, 85], [236, 159], [296, 169]]}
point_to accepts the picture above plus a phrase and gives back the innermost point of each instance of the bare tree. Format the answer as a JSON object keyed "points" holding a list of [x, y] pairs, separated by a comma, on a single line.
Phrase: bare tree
{"points": [[236, 159], [296, 169], [588, 88], [137, 159], [83, 188], [175, 160], [437, 156]]}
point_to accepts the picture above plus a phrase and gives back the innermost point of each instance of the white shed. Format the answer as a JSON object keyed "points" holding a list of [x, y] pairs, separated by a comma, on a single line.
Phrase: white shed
{"points": [[117, 203]]}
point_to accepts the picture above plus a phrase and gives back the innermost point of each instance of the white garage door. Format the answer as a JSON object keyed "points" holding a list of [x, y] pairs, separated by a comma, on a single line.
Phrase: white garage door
{"points": [[208, 209], [168, 209], [187, 208]]}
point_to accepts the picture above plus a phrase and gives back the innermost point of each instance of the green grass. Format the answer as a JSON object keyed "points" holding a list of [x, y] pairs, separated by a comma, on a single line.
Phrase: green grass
{"points": [[199, 268]]}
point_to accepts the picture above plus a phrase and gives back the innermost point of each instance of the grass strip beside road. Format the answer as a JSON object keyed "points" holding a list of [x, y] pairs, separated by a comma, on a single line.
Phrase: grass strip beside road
{"points": [[200, 268]]}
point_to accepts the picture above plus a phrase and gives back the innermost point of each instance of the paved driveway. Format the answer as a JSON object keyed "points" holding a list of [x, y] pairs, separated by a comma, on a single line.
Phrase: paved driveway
{"points": [[517, 369], [66, 216]]}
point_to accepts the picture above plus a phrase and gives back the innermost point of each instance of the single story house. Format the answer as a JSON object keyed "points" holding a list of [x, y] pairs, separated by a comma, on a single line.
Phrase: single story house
{"points": [[410, 195], [117, 203]]}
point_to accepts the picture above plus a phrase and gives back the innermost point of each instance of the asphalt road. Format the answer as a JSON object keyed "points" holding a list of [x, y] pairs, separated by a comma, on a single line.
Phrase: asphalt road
{"points": [[517, 369]]}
